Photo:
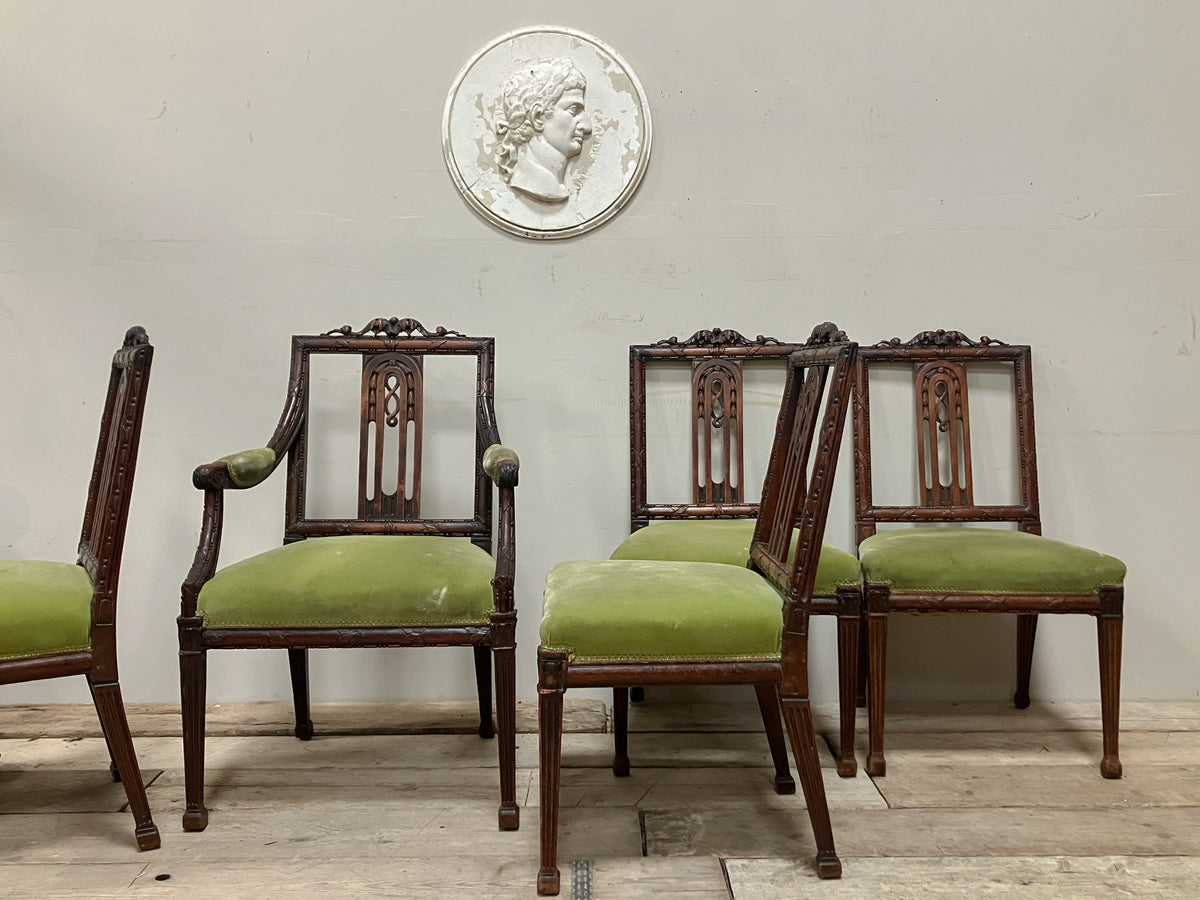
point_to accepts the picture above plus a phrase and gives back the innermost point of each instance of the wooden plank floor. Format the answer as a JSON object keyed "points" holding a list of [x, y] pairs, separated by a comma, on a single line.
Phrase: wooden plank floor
{"points": [[400, 800]]}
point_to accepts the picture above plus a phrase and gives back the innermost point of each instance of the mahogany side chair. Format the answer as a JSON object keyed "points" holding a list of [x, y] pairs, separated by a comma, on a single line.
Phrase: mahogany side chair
{"points": [[59, 619], [386, 575], [942, 553], [716, 524], [620, 622]]}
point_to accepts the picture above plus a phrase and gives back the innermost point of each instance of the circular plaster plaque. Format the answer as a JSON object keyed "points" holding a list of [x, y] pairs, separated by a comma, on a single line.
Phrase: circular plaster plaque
{"points": [[546, 132]]}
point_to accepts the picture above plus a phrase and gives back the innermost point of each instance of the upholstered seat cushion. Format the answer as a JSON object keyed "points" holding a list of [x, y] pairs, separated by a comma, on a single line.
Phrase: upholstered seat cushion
{"points": [[624, 610], [45, 608], [964, 560], [727, 541], [354, 581]]}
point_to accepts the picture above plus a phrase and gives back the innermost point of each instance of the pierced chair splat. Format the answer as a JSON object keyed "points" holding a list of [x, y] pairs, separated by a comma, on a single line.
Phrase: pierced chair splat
{"points": [[386, 575], [941, 554], [624, 622]]}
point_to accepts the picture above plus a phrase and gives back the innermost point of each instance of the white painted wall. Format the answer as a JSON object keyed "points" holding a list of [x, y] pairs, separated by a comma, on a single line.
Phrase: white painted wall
{"points": [[227, 174]]}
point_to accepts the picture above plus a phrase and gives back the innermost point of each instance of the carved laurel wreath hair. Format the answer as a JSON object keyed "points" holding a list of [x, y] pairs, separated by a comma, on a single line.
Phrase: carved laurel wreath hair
{"points": [[528, 91]]}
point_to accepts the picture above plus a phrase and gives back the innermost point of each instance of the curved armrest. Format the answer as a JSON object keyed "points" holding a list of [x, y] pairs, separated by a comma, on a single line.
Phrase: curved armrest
{"points": [[237, 470], [502, 465]]}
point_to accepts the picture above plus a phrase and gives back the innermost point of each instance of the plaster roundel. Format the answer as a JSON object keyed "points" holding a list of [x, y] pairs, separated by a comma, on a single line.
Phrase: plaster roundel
{"points": [[546, 132]]}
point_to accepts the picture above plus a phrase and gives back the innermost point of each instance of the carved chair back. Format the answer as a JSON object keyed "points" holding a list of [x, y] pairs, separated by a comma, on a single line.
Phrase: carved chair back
{"points": [[717, 407], [940, 362], [107, 511], [801, 470], [393, 356]]}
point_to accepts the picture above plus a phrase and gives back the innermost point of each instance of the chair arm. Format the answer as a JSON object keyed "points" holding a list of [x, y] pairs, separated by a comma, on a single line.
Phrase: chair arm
{"points": [[501, 465], [237, 470]]}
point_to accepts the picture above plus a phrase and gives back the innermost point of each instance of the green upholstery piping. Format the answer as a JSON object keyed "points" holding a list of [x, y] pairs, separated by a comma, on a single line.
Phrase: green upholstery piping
{"points": [[653, 611], [45, 608], [354, 581], [964, 560], [249, 467], [727, 541], [494, 456]]}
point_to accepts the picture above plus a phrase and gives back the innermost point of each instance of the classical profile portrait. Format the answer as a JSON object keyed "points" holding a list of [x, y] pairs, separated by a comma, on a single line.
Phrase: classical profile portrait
{"points": [[546, 132], [540, 127]]}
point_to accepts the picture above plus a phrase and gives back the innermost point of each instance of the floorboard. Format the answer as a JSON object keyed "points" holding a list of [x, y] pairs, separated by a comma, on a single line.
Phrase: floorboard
{"points": [[400, 800]]}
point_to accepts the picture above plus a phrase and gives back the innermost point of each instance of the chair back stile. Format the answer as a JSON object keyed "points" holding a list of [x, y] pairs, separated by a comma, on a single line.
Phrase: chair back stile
{"points": [[102, 537], [800, 476]]}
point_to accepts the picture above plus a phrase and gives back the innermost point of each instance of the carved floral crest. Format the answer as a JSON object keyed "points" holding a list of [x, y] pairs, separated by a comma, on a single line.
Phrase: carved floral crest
{"points": [[717, 337], [393, 328], [942, 338]]}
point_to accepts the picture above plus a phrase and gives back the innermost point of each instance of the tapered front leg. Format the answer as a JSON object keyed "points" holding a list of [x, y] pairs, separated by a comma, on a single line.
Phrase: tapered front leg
{"points": [[876, 598], [192, 689], [1108, 627], [768, 708], [504, 651], [111, 710], [552, 670], [849, 617], [797, 713]]}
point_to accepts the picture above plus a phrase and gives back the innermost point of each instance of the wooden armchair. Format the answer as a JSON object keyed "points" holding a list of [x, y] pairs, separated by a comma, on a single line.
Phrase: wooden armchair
{"points": [[716, 524], [59, 619], [386, 576], [622, 622], [936, 562]]}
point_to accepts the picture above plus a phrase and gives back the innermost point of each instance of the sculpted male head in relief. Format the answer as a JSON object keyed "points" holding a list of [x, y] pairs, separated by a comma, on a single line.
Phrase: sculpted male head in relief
{"points": [[540, 127]]}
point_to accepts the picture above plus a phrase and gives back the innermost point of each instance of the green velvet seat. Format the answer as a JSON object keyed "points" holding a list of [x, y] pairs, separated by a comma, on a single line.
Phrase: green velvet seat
{"points": [[727, 541], [654, 611], [45, 608], [354, 581], [963, 560]]}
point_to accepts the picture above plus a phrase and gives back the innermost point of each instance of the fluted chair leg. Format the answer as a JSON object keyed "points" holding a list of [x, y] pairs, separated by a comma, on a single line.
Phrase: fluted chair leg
{"points": [[877, 623], [193, 675], [797, 713], [1108, 631], [506, 702], [848, 640], [551, 686], [111, 710]]}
